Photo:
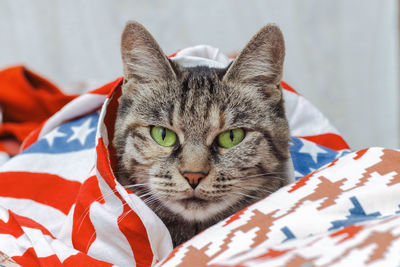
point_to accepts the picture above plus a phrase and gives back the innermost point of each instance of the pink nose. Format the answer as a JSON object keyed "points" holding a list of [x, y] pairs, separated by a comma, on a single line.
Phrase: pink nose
{"points": [[194, 178]]}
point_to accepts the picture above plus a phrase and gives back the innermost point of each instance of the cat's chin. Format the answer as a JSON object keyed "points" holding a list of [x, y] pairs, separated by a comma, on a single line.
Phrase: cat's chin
{"points": [[194, 202], [196, 209]]}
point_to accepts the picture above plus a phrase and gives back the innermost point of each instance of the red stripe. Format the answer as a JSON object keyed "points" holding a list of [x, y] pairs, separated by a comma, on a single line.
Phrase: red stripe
{"points": [[171, 255], [27, 222], [47, 189], [288, 88], [235, 217], [11, 227], [360, 153], [3, 148], [32, 137], [329, 140], [29, 258], [83, 232], [109, 121], [15, 222], [103, 163], [108, 88], [174, 54], [348, 232], [300, 183], [81, 259], [131, 226], [271, 253], [331, 164], [133, 229]]}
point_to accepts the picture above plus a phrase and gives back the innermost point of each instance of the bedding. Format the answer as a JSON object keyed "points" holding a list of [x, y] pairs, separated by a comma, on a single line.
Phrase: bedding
{"points": [[60, 203]]}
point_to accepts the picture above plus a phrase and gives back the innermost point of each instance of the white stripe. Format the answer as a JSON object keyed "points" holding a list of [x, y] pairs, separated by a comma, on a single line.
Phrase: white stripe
{"points": [[76, 108], [43, 245], [12, 246], [158, 234], [110, 244], [62, 250], [101, 128], [38, 241], [4, 157], [73, 166], [65, 233], [305, 119], [202, 55], [4, 214], [50, 218]]}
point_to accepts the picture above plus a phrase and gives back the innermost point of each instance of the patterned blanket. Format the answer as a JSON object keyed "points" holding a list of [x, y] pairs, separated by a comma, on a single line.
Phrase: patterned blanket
{"points": [[60, 203]]}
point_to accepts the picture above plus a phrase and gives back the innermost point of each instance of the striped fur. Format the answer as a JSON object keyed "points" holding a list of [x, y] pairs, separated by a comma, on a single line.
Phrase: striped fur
{"points": [[198, 104]]}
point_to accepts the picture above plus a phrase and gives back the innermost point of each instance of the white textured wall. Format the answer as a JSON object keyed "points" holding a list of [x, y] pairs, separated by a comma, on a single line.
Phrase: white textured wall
{"points": [[341, 54]]}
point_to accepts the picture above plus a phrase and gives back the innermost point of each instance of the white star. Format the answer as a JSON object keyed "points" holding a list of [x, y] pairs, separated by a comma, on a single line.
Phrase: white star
{"points": [[312, 149], [53, 135], [81, 132]]}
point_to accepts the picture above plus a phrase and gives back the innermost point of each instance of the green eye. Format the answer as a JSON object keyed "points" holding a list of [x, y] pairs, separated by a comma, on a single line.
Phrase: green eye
{"points": [[231, 138], [163, 136]]}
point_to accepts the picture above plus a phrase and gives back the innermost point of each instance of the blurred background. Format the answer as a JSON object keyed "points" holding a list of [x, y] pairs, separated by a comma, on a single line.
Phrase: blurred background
{"points": [[343, 55]]}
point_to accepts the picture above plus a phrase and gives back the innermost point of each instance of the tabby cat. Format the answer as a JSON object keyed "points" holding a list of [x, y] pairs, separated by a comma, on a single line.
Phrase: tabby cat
{"points": [[199, 144]]}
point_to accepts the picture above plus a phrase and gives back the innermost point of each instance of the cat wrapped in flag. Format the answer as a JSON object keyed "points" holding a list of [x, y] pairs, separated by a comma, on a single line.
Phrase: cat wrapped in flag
{"points": [[78, 194], [198, 144]]}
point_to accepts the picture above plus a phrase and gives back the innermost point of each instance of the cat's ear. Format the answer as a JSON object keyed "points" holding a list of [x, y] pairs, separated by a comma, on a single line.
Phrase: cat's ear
{"points": [[143, 59], [260, 63]]}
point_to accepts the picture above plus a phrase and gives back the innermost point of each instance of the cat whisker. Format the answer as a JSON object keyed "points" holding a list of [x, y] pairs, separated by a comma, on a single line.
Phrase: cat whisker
{"points": [[269, 174], [136, 185], [87, 210], [119, 172], [264, 174], [150, 200], [123, 216], [101, 198], [145, 195], [90, 241], [254, 189], [147, 176], [246, 195], [157, 208], [146, 201]]}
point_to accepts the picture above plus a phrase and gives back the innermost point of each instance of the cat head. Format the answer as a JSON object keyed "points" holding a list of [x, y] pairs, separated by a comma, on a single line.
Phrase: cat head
{"points": [[201, 143]]}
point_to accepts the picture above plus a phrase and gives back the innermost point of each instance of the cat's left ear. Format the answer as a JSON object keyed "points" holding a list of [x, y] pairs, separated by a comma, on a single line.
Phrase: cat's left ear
{"points": [[143, 59], [260, 63]]}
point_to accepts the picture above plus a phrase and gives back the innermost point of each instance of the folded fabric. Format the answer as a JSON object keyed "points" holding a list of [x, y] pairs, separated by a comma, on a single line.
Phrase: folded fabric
{"points": [[60, 203], [26, 100]]}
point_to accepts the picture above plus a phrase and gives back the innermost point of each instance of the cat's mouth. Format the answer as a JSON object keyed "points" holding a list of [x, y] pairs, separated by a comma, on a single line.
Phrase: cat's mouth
{"points": [[193, 202]]}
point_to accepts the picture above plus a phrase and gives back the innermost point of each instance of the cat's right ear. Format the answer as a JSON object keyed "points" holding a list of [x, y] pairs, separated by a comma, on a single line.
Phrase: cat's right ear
{"points": [[260, 63], [143, 60]]}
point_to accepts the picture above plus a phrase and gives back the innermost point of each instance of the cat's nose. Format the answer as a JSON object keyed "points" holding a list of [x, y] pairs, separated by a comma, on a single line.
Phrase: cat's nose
{"points": [[194, 178]]}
